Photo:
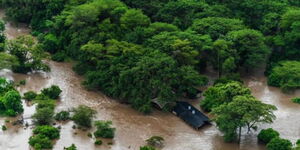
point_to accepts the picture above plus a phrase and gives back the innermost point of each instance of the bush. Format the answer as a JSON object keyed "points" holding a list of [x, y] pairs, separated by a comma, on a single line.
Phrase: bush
{"points": [[4, 128], [90, 135], [104, 129], [22, 82], [155, 141], [266, 135], [98, 142], [21, 68], [59, 57], [53, 92], [10, 113], [296, 100], [43, 116], [40, 142], [83, 116], [46, 104], [285, 75], [30, 95], [279, 144], [42, 97], [72, 147], [48, 131], [62, 116], [147, 148], [12, 103]]}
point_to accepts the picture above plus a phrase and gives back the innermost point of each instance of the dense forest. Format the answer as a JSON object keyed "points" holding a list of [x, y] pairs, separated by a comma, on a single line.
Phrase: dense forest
{"points": [[140, 50]]}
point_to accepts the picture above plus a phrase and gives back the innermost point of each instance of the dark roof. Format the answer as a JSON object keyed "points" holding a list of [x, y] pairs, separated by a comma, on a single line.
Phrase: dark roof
{"points": [[190, 114]]}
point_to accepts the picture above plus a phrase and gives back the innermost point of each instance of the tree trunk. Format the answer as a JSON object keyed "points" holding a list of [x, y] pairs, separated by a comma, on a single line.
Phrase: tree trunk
{"points": [[240, 132]]}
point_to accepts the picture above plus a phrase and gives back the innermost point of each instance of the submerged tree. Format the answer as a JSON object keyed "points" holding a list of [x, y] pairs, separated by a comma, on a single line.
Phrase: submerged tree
{"points": [[243, 111], [83, 116], [28, 53]]}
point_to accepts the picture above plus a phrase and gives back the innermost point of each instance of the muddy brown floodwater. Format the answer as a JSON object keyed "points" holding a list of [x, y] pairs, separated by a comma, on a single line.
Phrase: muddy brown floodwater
{"points": [[134, 128]]}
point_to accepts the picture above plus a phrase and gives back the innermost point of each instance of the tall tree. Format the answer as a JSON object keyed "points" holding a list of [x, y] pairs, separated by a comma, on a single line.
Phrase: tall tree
{"points": [[243, 111], [250, 46]]}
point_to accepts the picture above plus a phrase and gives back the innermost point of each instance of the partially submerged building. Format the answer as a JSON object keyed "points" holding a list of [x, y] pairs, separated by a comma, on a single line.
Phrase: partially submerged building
{"points": [[190, 115]]}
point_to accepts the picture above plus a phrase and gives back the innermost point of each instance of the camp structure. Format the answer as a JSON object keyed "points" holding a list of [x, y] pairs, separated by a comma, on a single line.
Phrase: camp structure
{"points": [[190, 114]]}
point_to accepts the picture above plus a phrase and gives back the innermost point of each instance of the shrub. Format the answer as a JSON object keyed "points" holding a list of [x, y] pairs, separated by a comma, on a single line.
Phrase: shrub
{"points": [[40, 142], [72, 147], [286, 75], [42, 97], [30, 95], [46, 104], [266, 135], [279, 144], [4, 128], [296, 100], [90, 135], [43, 116], [12, 102], [104, 129], [59, 57], [147, 148], [155, 141], [62, 116], [53, 92], [10, 113], [83, 116], [22, 82], [98, 142], [48, 131]]}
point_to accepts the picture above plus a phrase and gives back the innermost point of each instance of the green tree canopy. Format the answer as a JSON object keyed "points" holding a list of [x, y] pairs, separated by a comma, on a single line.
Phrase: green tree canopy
{"points": [[48, 131], [134, 18], [216, 27], [43, 116], [222, 93], [28, 53], [104, 129], [266, 135], [185, 47], [83, 116], [250, 46], [279, 144], [243, 111], [286, 75]]}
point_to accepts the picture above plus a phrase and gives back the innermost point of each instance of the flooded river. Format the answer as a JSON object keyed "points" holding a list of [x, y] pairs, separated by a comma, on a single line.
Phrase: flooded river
{"points": [[134, 128]]}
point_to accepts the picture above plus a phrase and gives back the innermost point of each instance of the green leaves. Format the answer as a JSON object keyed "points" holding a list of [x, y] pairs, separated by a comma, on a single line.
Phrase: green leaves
{"points": [[83, 116], [234, 107], [134, 18], [243, 111], [250, 46], [186, 48], [28, 53], [279, 144], [48, 131], [222, 93], [104, 129], [266, 135], [216, 27], [286, 75]]}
